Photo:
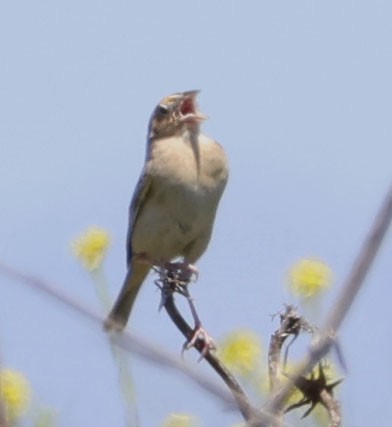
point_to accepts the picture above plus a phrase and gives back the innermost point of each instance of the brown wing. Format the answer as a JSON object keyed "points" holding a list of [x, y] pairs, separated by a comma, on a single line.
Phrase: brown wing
{"points": [[139, 196]]}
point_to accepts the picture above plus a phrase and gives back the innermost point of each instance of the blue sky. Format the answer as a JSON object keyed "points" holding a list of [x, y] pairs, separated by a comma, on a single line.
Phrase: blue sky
{"points": [[298, 93]]}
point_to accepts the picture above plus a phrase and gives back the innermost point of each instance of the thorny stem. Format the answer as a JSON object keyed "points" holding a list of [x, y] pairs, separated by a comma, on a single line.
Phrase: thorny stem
{"points": [[333, 408], [290, 324], [247, 410], [342, 304]]}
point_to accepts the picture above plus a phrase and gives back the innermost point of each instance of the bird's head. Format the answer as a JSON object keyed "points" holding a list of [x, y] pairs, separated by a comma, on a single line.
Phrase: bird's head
{"points": [[174, 114]]}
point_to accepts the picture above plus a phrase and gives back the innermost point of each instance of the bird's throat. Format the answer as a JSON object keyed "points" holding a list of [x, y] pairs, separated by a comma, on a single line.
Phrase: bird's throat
{"points": [[194, 140]]}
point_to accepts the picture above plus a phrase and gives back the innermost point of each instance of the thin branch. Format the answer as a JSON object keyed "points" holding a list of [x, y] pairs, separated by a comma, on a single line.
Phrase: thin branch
{"points": [[333, 407], [126, 340], [314, 389], [247, 410], [362, 265], [342, 304], [317, 390], [290, 324], [136, 345]]}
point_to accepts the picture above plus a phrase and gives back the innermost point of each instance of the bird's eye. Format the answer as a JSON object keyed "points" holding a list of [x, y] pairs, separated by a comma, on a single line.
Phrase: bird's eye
{"points": [[162, 109]]}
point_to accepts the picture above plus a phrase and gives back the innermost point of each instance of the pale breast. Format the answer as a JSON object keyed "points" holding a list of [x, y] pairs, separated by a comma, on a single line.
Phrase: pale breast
{"points": [[183, 197]]}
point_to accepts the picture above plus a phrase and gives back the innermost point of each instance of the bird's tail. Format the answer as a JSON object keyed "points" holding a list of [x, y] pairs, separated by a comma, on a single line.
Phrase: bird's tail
{"points": [[118, 317]]}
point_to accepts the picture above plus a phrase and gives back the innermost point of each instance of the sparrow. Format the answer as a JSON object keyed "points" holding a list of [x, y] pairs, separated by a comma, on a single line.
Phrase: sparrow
{"points": [[174, 205]]}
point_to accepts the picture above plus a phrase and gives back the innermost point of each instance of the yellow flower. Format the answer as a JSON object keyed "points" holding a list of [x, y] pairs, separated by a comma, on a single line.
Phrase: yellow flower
{"points": [[90, 248], [179, 420], [309, 277], [15, 393], [241, 352]]}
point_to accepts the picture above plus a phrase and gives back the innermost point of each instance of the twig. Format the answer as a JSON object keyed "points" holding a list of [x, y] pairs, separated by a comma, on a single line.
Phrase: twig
{"points": [[290, 324], [333, 407], [247, 410], [342, 304], [317, 390], [314, 389], [136, 345], [126, 340]]}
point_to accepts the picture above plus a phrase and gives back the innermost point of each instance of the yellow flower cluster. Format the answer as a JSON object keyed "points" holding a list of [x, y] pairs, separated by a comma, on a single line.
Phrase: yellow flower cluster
{"points": [[179, 420], [309, 277], [90, 248], [241, 351], [15, 393]]}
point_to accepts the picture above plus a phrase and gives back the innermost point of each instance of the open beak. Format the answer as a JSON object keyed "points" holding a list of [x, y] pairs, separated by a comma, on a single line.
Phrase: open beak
{"points": [[188, 109]]}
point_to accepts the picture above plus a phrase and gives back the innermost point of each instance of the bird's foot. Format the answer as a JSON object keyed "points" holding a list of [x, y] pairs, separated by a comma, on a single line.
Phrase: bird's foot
{"points": [[166, 285], [182, 271], [199, 334], [173, 277]]}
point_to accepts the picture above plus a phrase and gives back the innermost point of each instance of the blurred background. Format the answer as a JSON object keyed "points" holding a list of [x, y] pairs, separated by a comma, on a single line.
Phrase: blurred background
{"points": [[298, 93]]}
